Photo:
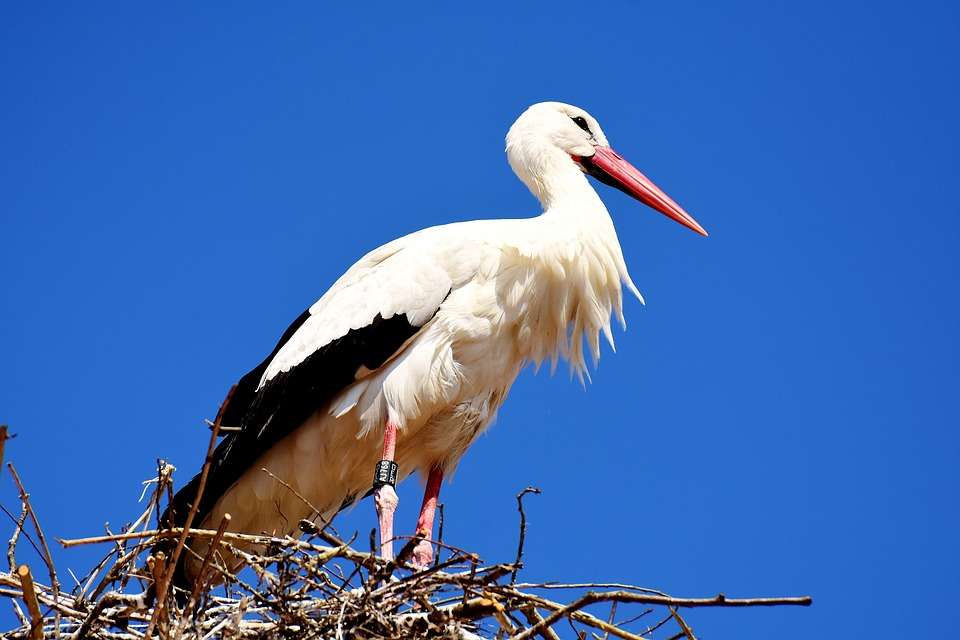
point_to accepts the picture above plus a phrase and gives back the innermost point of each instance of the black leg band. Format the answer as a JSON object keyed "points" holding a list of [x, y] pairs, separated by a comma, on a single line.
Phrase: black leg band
{"points": [[386, 473]]}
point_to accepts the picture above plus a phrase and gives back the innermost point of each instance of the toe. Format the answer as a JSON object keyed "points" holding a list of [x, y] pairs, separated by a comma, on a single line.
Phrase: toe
{"points": [[422, 555]]}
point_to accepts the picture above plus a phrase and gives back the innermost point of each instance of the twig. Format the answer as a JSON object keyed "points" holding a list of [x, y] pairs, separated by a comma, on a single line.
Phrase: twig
{"points": [[474, 559], [436, 560], [12, 543], [523, 529], [47, 558], [30, 599], [16, 606], [222, 429], [499, 614], [248, 538], [93, 616], [322, 531], [687, 631], [588, 585], [200, 580], [611, 618], [207, 558], [534, 617], [172, 564], [580, 616], [4, 436], [633, 619], [720, 600]]}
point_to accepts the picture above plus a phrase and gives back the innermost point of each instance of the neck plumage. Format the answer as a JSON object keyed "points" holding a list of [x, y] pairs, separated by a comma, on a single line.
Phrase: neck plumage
{"points": [[564, 282]]}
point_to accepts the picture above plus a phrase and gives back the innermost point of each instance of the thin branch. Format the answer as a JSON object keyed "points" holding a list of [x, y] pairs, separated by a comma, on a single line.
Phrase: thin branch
{"points": [[228, 536], [611, 618], [321, 532], [4, 436], [720, 600], [684, 627], [534, 618], [580, 616], [15, 536], [47, 558], [588, 585], [200, 580], [523, 530], [436, 560], [172, 564], [222, 429]]}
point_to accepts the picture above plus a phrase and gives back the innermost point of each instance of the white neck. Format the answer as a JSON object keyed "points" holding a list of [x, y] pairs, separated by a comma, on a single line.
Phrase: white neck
{"points": [[574, 264], [560, 185], [571, 207], [553, 178]]}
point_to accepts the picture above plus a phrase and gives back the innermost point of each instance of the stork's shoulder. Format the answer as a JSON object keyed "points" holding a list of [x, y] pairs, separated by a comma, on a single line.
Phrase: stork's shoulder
{"points": [[435, 242], [459, 249]]}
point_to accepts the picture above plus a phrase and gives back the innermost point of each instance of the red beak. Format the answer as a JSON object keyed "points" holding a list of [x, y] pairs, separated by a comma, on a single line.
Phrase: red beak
{"points": [[609, 167]]}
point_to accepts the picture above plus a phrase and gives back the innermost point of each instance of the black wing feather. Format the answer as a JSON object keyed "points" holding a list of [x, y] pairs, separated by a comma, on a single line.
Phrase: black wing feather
{"points": [[283, 404], [246, 389]]}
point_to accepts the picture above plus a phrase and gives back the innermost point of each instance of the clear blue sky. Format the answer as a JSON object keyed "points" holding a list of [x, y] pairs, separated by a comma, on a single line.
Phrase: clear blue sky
{"points": [[178, 184]]}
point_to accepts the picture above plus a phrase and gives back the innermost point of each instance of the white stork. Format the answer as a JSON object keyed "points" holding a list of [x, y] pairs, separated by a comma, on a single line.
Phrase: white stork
{"points": [[405, 360]]}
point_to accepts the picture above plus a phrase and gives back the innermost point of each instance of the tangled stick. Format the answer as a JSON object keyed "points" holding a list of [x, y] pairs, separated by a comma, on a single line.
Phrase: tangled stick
{"points": [[319, 586], [300, 588]]}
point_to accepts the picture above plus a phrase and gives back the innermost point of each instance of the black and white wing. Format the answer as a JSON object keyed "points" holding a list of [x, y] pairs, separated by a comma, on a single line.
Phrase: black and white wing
{"points": [[367, 316]]}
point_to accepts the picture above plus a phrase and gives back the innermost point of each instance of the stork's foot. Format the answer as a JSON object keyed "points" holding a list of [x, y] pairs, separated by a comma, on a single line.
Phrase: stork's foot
{"points": [[422, 557], [386, 501]]}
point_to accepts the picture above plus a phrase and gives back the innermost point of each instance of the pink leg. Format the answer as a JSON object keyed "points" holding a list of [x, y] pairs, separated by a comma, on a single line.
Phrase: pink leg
{"points": [[384, 496], [423, 552]]}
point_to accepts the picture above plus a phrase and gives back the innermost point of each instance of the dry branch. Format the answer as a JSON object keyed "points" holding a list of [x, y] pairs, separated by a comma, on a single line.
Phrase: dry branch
{"points": [[200, 580], [166, 577], [4, 436], [30, 599], [25, 502], [523, 530]]}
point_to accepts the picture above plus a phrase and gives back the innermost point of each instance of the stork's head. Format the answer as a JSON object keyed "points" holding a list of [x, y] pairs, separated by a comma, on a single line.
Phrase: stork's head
{"points": [[550, 141]]}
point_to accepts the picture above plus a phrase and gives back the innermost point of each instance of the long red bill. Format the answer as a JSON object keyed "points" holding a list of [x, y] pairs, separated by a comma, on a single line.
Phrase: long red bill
{"points": [[609, 167]]}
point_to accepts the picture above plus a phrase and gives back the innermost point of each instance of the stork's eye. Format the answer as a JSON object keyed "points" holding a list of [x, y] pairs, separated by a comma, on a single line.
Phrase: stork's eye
{"points": [[582, 123]]}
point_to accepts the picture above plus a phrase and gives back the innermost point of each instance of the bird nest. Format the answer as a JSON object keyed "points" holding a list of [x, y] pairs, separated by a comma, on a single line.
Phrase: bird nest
{"points": [[317, 585]]}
